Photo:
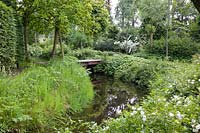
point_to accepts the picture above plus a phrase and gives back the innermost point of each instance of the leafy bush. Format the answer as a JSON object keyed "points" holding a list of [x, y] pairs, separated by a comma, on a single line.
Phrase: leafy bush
{"points": [[131, 69], [105, 44], [7, 37], [181, 48], [79, 40], [158, 115], [32, 99]]}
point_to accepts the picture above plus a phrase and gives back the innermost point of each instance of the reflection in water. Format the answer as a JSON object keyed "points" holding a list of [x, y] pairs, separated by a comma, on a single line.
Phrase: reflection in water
{"points": [[111, 98]]}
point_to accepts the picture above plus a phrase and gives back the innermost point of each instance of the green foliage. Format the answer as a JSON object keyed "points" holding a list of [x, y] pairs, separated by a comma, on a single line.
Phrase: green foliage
{"points": [[181, 48], [104, 44], [126, 11], [20, 43], [153, 10], [31, 100], [131, 69], [79, 40], [158, 115], [195, 30], [7, 37], [112, 32], [173, 102], [100, 17]]}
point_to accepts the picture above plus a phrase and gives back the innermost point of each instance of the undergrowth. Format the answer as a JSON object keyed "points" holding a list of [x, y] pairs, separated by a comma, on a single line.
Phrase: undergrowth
{"points": [[30, 100]]}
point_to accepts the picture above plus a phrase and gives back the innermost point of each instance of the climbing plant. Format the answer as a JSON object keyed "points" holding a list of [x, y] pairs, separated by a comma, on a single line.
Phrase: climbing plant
{"points": [[7, 37]]}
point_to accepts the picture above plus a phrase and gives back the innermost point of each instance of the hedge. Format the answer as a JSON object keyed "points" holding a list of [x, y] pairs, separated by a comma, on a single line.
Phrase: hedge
{"points": [[7, 37]]}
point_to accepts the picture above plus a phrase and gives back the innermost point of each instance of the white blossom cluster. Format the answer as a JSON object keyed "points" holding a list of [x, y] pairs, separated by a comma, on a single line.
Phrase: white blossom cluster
{"points": [[195, 126]]}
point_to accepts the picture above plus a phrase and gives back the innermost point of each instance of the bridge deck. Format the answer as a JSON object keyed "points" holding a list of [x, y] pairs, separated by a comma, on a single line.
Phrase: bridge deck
{"points": [[90, 62]]}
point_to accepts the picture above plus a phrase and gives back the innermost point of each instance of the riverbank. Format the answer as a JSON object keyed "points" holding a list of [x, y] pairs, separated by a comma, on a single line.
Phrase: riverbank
{"points": [[173, 102], [37, 99]]}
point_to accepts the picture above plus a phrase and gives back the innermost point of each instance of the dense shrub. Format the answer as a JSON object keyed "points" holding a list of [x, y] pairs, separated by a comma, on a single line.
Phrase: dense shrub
{"points": [[131, 69], [32, 99], [178, 47], [79, 40], [158, 115], [7, 37], [105, 44]]}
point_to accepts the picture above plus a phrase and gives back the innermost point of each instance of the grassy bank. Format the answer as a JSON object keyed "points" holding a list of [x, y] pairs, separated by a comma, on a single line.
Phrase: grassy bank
{"points": [[33, 99]]}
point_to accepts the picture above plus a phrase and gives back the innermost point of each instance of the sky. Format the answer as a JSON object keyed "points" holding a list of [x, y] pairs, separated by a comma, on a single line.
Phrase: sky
{"points": [[113, 5]]}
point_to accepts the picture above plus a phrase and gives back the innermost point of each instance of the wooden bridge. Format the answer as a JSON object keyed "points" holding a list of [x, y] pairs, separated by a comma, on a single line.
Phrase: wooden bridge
{"points": [[90, 63]]}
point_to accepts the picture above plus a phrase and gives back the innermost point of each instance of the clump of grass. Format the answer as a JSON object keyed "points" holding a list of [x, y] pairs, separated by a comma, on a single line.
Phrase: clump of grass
{"points": [[30, 99]]}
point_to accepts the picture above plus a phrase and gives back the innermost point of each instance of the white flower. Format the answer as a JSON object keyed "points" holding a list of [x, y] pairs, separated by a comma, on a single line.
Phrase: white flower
{"points": [[176, 97], [178, 103], [179, 115], [198, 126], [199, 80], [142, 113], [193, 121], [192, 82], [133, 108], [195, 130], [187, 100], [144, 118], [133, 113], [105, 128], [171, 114], [170, 86], [142, 131], [153, 113], [140, 108]]}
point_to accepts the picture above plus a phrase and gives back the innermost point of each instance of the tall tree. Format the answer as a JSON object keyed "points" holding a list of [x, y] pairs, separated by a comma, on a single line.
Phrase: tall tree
{"points": [[108, 5], [100, 18], [26, 8], [126, 12], [153, 14], [61, 16]]}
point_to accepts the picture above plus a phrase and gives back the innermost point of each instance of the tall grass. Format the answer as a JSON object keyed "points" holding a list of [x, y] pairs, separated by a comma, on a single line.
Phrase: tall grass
{"points": [[30, 99]]}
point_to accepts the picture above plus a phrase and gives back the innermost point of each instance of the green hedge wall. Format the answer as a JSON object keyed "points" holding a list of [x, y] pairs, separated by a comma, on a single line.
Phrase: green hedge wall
{"points": [[7, 36]]}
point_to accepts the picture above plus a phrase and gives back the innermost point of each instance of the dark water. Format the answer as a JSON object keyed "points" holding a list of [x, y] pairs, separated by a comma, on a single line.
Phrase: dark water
{"points": [[111, 97]]}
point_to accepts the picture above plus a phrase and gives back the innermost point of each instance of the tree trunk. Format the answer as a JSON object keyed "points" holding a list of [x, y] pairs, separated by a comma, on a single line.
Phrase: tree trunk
{"points": [[123, 21], [108, 2], [25, 24], [56, 35], [133, 22], [61, 45], [151, 39]]}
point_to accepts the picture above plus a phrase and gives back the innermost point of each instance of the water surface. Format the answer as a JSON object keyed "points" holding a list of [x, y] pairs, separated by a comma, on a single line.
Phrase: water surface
{"points": [[111, 98]]}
